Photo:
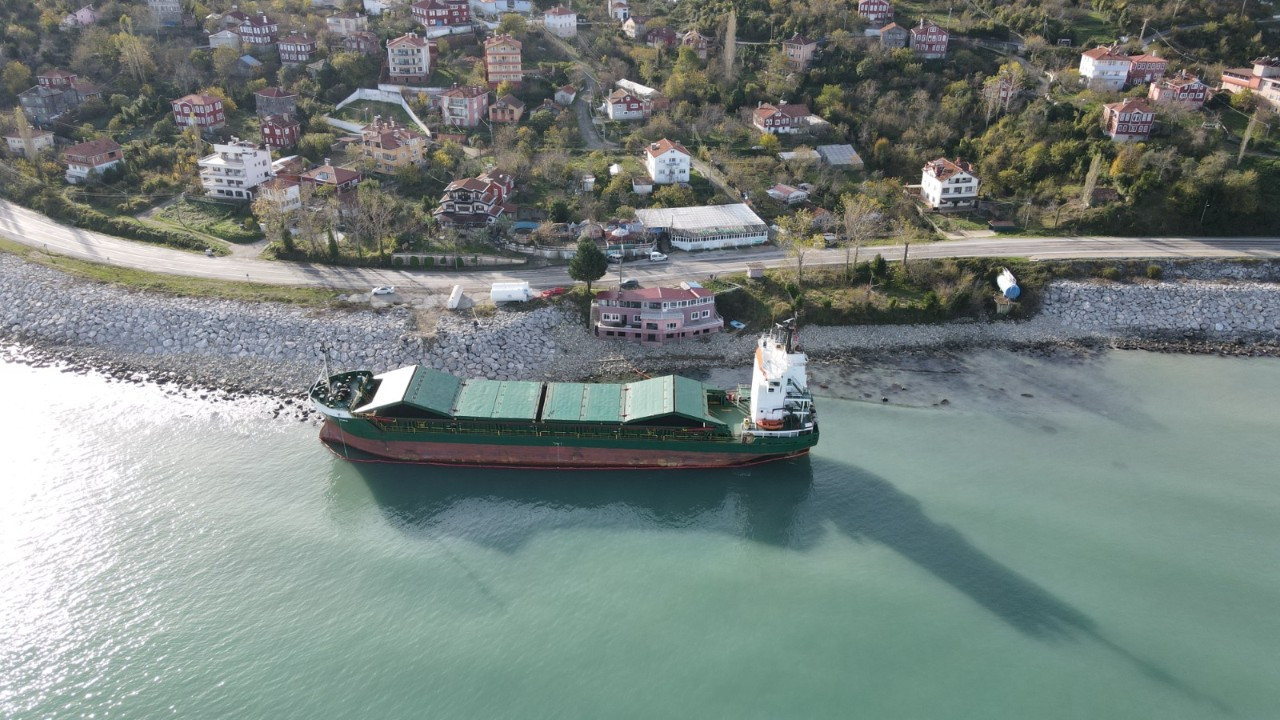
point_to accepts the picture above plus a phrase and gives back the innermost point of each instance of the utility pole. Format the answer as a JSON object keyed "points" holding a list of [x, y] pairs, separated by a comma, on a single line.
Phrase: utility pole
{"points": [[1143, 34]]}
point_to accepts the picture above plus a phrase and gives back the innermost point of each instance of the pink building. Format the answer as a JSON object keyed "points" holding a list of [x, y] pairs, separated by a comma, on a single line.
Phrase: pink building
{"points": [[1263, 80], [929, 40], [502, 60], [1128, 120], [464, 106], [799, 51], [877, 12], [1183, 88], [203, 111], [658, 315], [441, 13], [1146, 69]]}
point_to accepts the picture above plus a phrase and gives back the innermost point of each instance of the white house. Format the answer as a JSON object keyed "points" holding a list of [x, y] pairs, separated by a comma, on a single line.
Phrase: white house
{"points": [[667, 162], [92, 157], [234, 169], [284, 193], [84, 17], [40, 139], [947, 185], [561, 21], [787, 194], [497, 7], [409, 59], [1104, 69]]}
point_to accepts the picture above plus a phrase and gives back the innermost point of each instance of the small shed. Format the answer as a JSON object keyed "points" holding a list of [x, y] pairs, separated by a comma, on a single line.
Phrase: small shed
{"points": [[755, 271]]}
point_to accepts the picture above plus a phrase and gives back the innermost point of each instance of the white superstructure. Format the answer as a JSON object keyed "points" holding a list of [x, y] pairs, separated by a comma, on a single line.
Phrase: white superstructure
{"points": [[780, 399]]}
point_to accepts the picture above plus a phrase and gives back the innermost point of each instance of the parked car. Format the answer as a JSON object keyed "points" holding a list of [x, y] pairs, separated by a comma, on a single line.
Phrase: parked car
{"points": [[615, 257], [656, 256], [629, 284], [384, 290], [551, 292]]}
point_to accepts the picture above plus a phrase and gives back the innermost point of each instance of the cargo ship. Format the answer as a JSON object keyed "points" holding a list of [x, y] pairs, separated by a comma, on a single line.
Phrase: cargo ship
{"points": [[420, 415]]}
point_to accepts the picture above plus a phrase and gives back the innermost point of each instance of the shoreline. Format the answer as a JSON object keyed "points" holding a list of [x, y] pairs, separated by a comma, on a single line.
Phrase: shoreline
{"points": [[239, 349]]}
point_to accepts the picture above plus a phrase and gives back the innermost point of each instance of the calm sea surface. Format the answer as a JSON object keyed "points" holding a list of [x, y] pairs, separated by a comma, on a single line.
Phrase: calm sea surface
{"points": [[1108, 549]]}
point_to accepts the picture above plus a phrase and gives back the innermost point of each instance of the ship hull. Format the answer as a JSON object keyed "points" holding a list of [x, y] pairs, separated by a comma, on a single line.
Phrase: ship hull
{"points": [[568, 454]]}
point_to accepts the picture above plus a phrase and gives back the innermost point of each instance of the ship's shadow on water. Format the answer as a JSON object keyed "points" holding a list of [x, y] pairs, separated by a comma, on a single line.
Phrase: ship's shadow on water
{"points": [[788, 504]]}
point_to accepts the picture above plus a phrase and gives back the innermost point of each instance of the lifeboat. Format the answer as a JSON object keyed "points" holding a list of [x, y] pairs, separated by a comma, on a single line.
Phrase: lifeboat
{"points": [[769, 424]]}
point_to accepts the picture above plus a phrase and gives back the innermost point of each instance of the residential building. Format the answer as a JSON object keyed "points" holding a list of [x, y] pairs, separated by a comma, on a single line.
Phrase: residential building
{"points": [[565, 95], [345, 23], [464, 106], [441, 13], [622, 105], [361, 41], [202, 111], [259, 31], [667, 162], [699, 43], [234, 169], [38, 140], [84, 17], [494, 8], [225, 38], [1128, 120], [280, 131], [707, 227], [246, 66], [502, 60], [1146, 69], [929, 40], [91, 158], [894, 36], [656, 315], [947, 185], [785, 118], [409, 59], [877, 12], [1181, 89], [389, 145], [475, 202], [342, 180], [298, 49], [56, 93], [663, 38], [230, 20], [1263, 80], [166, 13], [633, 27], [561, 21], [507, 109], [275, 101], [1104, 69], [799, 51], [619, 10], [787, 194], [283, 192]]}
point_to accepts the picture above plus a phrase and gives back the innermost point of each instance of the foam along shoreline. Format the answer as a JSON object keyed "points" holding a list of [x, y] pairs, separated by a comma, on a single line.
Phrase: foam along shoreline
{"points": [[275, 349]]}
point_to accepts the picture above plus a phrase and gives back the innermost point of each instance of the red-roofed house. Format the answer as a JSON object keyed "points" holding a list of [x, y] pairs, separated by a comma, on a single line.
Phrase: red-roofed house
{"points": [[565, 95], [663, 38], [275, 101], [1182, 89], [1128, 120], [342, 180], [780, 119], [475, 202], [280, 131], [507, 109], [947, 185], [1146, 69], [92, 157], [409, 59], [799, 51], [204, 111], [502, 61], [561, 21], [298, 49], [667, 162], [1104, 69], [657, 315], [391, 146], [363, 42], [1263, 80], [259, 30], [929, 40], [877, 12], [696, 41], [894, 36]]}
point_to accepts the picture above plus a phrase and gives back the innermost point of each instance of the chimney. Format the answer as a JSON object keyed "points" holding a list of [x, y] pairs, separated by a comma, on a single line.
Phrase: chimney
{"points": [[326, 161]]}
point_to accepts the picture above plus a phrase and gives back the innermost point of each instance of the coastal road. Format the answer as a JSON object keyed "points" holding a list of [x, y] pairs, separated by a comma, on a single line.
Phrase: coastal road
{"points": [[31, 228]]}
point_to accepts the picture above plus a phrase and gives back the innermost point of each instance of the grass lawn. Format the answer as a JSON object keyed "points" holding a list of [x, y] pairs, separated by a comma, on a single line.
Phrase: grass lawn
{"points": [[218, 220], [363, 111], [173, 284]]}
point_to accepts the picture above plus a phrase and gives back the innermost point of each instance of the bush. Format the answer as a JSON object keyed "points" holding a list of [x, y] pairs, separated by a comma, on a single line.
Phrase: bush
{"points": [[1155, 272], [1111, 273], [428, 261], [413, 261]]}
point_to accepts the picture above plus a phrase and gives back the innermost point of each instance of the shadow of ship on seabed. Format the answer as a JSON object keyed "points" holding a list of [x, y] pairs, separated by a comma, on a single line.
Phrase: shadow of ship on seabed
{"points": [[786, 504]]}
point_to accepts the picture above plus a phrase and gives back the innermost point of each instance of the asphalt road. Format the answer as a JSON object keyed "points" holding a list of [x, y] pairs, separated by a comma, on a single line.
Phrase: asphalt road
{"points": [[32, 228]]}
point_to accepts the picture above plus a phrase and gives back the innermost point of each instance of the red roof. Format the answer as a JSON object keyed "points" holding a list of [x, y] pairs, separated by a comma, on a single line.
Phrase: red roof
{"points": [[1145, 58], [299, 39], [655, 293], [1103, 53], [1129, 106], [798, 39], [466, 91], [665, 145], [500, 39], [408, 39], [198, 99], [92, 148], [328, 174], [943, 168], [56, 73], [790, 110], [560, 10]]}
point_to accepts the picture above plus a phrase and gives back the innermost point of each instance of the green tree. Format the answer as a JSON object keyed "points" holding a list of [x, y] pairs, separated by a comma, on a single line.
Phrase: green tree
{"points": [[16, 77], [588, 263], [769, 143], [513, 24]]}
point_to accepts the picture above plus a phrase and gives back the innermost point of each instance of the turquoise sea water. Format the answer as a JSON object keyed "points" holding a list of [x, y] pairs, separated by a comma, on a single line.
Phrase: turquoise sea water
{"points": [[1110, 549]]}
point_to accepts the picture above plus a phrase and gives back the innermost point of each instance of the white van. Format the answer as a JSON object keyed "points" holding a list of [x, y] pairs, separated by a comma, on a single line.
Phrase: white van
{"points": [[656, 256]]}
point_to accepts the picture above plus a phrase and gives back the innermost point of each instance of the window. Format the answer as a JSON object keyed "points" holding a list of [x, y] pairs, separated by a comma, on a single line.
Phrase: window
{"points": [[671, 326]]}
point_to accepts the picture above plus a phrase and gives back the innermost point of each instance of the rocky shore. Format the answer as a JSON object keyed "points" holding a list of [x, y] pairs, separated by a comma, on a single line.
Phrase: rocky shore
{"points": [[277, 349]]}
